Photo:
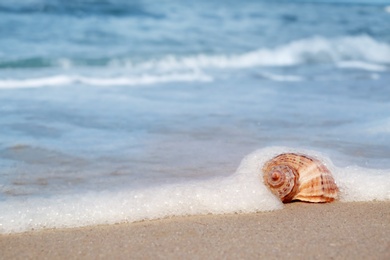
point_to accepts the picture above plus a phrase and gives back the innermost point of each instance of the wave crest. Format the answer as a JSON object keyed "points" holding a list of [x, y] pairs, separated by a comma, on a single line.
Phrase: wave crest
{"points": [[360, 52], [118, 81], [305, 51]]}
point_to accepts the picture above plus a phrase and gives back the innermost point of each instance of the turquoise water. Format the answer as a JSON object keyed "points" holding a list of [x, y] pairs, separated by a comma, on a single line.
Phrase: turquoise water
{"points": [[102, 98]]}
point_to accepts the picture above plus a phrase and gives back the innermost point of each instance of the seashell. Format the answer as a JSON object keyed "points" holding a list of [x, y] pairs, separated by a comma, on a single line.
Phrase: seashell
{"points": [[292, 176]]}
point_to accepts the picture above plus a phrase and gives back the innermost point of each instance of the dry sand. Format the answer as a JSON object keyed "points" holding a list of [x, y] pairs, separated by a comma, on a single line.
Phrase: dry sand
{"points": [[300, 231]]}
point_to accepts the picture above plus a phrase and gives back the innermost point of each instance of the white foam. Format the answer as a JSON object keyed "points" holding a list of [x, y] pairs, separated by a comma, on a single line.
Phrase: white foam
{"points": [[362, 184], [360, 65], [241, 192], [277, 77], [387, 9], [309, 50], [35, 82], [61, 80]]}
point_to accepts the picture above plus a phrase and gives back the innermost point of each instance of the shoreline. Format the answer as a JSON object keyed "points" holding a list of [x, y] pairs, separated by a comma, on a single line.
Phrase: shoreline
{"points": [[347, 230]]}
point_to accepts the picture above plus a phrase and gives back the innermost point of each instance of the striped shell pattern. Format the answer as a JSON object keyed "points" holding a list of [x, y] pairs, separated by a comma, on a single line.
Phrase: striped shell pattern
{"points": [[292, 176]]}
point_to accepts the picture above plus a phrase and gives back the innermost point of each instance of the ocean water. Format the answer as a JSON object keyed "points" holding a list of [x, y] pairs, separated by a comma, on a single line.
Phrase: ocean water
{"points": [[120, 111]]}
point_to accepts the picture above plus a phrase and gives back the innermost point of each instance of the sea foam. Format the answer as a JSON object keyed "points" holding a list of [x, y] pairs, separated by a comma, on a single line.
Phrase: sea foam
{"points": [[241, 192], [361, 65], [304, 51], [60, 80]]}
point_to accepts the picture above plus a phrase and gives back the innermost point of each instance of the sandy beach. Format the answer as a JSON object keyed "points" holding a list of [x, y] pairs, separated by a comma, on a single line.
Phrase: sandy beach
{"points": [[299, 231]]}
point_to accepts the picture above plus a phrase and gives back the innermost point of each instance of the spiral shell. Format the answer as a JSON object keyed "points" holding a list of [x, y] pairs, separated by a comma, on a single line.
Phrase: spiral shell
{"points": [[292, 176]]}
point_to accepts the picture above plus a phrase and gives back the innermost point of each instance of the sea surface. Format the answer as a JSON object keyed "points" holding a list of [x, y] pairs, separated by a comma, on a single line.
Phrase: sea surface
{"points": [[119, 111]]}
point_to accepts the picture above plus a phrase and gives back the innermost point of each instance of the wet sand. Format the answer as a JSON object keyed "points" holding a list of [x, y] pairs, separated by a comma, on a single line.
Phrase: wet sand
{"points": [[299, 231]]}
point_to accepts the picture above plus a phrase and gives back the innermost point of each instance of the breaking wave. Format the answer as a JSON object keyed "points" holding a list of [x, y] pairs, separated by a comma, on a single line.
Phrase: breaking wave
{"points": [[306, 51], [118, 81], [360, 52]]}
